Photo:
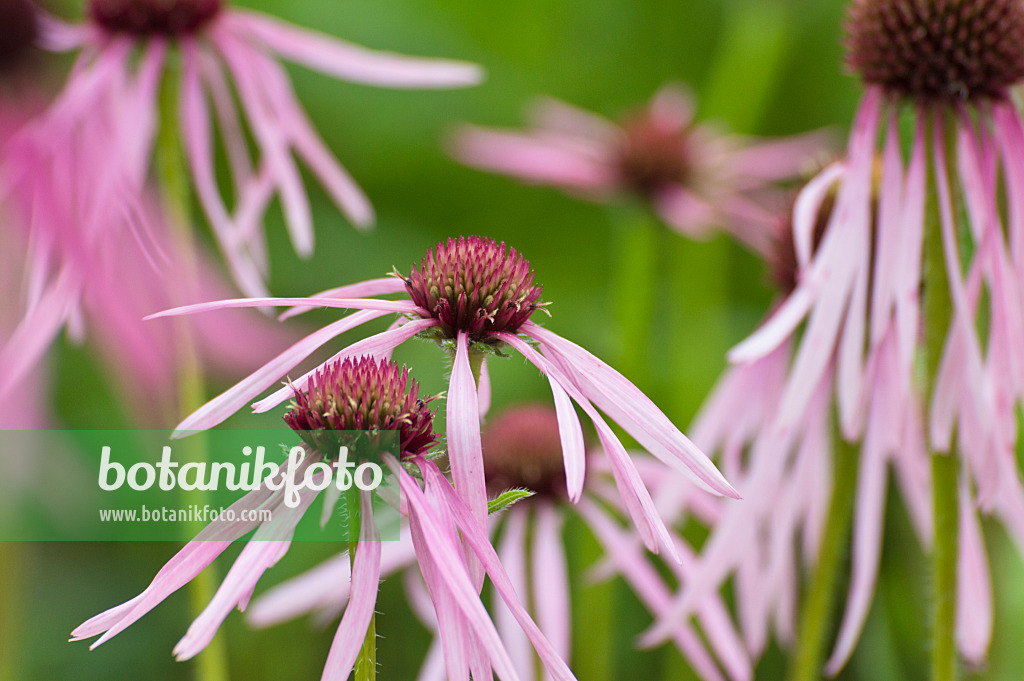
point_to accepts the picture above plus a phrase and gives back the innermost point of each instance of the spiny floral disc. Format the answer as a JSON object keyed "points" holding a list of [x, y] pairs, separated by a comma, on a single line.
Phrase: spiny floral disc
{"points": [[475, 285], [362, 395], [652, 154], [147, 17], [18, 18], [522, 449], [938, 49]]}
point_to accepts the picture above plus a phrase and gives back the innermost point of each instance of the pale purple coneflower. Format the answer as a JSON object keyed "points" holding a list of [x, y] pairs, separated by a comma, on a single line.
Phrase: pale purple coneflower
{"points": [[693, 176], [786, 473], [367, 395], [522, 450], [950, 67], [99, 305], [476, 296], [97, 138]]}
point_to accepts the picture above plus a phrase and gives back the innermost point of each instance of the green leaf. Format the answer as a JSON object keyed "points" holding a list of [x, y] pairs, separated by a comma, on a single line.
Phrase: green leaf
{"points": [[506, 499]]}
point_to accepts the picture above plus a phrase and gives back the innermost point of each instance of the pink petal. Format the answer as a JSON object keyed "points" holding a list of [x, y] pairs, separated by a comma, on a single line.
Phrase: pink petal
{"points": [[227, 403], [551, 581], [571, 436], [464, 449], [365, 579], [350, 62]]}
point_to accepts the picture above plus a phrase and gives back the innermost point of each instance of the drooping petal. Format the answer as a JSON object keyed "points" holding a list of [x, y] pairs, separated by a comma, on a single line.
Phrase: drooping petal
{"points": [[365, 578], [335, 57]]}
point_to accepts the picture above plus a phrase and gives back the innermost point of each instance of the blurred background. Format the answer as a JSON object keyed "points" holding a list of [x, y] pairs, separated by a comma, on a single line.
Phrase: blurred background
{"points": [[759, 67]]}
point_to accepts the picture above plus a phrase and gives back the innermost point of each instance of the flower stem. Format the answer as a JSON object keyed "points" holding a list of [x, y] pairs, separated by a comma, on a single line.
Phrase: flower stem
{"points": [[938, 307], [635, 275], [366, 663], [176, 197], [819, 603]]}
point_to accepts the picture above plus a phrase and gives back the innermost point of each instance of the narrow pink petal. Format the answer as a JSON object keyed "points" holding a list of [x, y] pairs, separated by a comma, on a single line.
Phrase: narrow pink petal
{"points": [[365, 579], [450, 562], [974, 606], [573, 447], [807, 210], [888, 232], [267, 128], [399, 306], [227, 403], [513, 552], [483, 393], [464, 449], [611, 392], [364, 289], [564, 119], [335, 57], [347, 195], [325, 586], [780, 326], [482, 548], [551, 592], [378, 345], [531, 160]]}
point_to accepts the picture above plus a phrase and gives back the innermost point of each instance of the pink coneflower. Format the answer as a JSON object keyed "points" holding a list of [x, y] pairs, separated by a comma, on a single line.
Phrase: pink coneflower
{"points": [[97, 306], [693, 176], [950, 66], [786, 474], [522, 450], [476, 297], [372, 396], [100, 132]]}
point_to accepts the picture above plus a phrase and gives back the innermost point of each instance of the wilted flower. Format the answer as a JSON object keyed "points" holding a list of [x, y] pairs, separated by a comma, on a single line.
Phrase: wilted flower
{"points": [[476, 296], [693, 176], [370, 395]]}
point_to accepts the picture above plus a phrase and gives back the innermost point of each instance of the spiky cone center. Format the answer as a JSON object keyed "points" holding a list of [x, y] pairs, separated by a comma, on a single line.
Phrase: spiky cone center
{"points": [[475, 285], [362, 395], [937, 50], [154, 17], [652, 154], [20, 29], [522, 449]]}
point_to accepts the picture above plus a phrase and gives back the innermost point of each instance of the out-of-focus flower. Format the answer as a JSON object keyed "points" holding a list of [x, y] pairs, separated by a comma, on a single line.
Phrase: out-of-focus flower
{"points": [[476, 296], [522, 450], [694, 177], [96, 141], [118, 286], [369, 395], [859, 289]]}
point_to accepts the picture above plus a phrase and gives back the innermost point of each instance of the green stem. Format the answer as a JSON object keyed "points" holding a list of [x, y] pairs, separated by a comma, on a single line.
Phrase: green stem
{"points": [[366, 663], [938, 307], [634, 282], [175, 193], [816, 616]]}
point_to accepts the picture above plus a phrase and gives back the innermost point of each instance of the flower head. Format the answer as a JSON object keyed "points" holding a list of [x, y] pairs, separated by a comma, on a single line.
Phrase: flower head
{"points": [[436, 516], [937, 50], [523, 450], [695, 178], [100, 133], [476, 286], [361, 395], [153, 17], [18, 17], [484, 315], [855, 320]]}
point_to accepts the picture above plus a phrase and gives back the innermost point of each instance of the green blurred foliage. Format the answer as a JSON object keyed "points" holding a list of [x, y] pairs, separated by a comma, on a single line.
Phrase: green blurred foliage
{"points": [[762, 66]]}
